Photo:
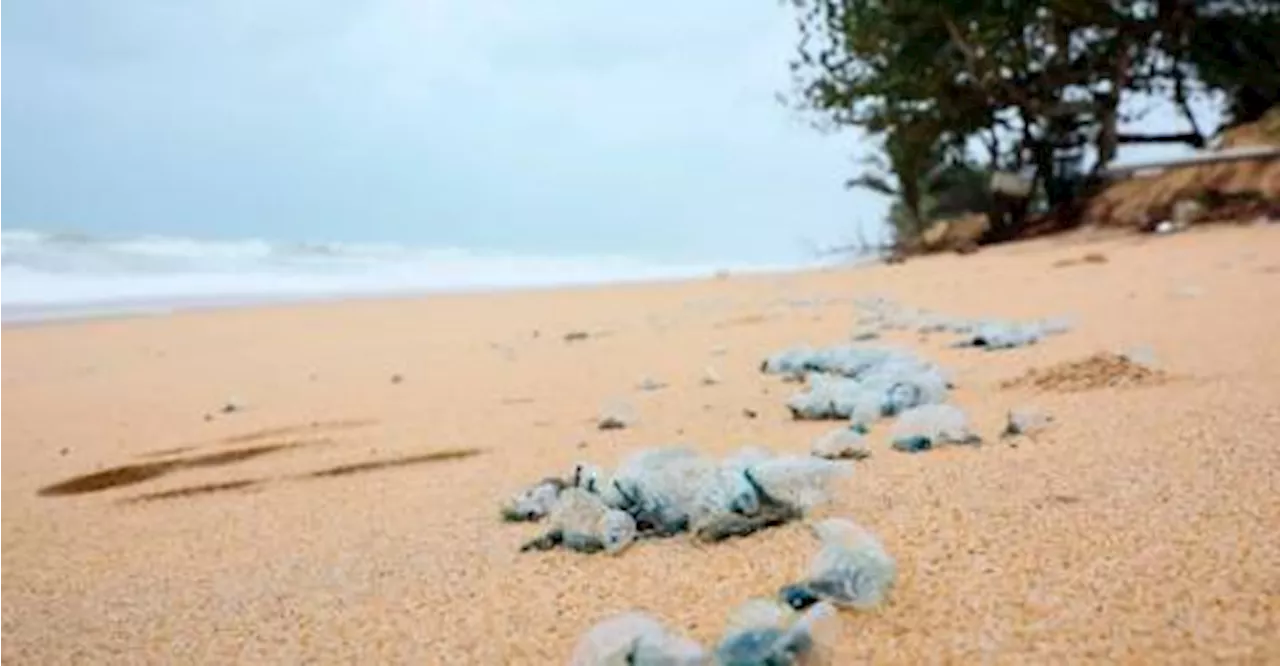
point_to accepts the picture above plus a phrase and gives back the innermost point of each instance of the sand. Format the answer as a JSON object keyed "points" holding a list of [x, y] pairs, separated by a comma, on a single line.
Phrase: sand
{"points": [[340, 514]]}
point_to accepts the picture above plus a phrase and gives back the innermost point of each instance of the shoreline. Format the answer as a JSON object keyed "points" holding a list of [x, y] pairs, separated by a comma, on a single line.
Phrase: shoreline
{"points": [[25, 315]]}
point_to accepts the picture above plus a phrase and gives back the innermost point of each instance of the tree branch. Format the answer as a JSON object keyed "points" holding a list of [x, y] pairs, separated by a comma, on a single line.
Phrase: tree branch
{"points": [[971, 64], [1180, 97], [1191, 138]]}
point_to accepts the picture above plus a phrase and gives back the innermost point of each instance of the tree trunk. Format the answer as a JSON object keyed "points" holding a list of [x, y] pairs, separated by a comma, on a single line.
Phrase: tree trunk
{"points": [[1180, 96], [1109, 109], [911, 200]]}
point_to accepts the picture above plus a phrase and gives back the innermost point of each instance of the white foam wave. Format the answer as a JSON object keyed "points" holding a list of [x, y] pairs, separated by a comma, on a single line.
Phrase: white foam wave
{"points": [[44, 273]]}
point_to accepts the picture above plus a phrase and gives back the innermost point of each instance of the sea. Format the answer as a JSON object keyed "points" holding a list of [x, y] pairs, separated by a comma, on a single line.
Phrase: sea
{"points": [[49, 276]]}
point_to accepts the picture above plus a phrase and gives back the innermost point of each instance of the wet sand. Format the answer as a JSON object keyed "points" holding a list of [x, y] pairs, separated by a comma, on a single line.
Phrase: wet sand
{"points": [[341, 514]]}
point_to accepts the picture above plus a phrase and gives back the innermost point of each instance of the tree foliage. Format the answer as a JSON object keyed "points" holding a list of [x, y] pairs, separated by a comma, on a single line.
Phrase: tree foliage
{"points": [[1234, 47], [1033, 82]]}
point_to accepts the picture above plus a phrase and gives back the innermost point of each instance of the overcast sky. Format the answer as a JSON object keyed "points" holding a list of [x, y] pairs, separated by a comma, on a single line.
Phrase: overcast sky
{"points": [[570, 127], [565, 127]]}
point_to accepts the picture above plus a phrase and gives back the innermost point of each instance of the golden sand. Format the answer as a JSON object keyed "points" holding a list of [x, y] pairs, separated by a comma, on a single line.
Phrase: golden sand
{"points": [[348, 511]]}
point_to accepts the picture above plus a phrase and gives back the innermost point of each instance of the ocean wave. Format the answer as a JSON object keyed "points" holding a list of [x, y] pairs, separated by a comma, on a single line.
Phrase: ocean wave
{"points": [[42, 269]]}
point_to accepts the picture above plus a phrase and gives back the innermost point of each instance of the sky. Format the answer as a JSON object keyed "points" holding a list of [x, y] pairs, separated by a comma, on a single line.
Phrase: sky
{"points": [[573, 127]]}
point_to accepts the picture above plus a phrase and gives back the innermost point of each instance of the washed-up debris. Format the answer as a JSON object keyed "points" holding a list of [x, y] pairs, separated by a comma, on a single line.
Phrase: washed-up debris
{"points": [[611, 422], [764, 632], [397, 378], [576, 336], [232, 405], [616, 417], [745, 493], [929, 426], [1009, 335], [750, 413], [1025, 421], [669, 490], [851, 569], [637, 639], [884, 391], [864, 335], [853, 361], [535, 502], [1002, 336], [1100, 370], [710, 377], [650, 384], [791, 362], [891, 317], [990, 334], [858, 383], [842, 443], [778, 490], [760, 632], [581, 521], [657, 486]]}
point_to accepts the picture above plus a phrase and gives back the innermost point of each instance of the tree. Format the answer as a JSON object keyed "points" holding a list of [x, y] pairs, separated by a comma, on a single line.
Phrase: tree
{"points": [[1234, 47], [925, 182], [913, 156], [935, 78]]}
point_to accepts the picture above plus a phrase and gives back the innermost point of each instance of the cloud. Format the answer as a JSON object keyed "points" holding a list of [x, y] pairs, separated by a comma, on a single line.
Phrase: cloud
{"points": [[582, 126]]}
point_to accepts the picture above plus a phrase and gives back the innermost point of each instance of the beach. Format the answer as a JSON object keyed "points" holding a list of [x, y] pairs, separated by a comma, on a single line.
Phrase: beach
{"points": [[320, 482]]}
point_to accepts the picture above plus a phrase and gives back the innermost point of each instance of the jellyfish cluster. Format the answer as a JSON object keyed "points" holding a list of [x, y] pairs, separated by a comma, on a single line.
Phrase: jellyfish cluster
{"points": [[850, 570], [881, 314], [670, 490], [859, 383], [863, 385], [665, 491]]}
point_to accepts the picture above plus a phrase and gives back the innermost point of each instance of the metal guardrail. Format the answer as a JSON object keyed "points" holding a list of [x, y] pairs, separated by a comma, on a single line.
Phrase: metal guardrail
{"points": [[1215, 157]]}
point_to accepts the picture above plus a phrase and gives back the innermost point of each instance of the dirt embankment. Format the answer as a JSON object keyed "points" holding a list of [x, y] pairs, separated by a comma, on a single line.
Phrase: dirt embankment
{"points": [[1242, 190]]}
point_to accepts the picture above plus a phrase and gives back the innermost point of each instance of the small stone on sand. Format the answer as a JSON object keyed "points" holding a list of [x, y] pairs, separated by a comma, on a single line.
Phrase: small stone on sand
{"points": [[650, 384], [611, 423]]}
